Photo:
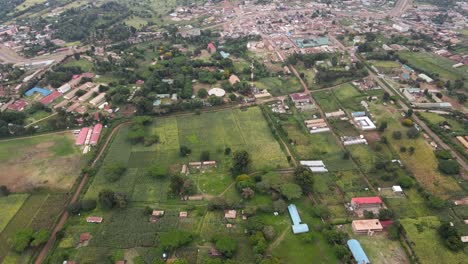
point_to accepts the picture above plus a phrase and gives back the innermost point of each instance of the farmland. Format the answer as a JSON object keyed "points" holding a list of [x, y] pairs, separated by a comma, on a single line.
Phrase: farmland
{"points": [[422, 232], [44, 161], [10, 205]]}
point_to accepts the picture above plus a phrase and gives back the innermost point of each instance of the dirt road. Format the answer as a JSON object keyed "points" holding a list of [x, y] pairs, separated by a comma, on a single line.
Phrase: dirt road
{"points": [[64, 217]]}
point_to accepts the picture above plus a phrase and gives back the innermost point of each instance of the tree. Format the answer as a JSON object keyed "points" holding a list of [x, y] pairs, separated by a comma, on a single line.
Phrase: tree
{"points": [[225, 244], [396, 135], [21, 240], [4, 191], [383, 126], [450, 236], [342, 253], [40, 237], [405, 181], [227, 151], [407, 122], [247, 193], [280, 206], [449, 167], [385, 214], [368, 214], [411, 150], [304, 178], [74, 208], [386, 96], [174, 239], [77, 56], [269, 232], [412, 133], [184, 151], [120, 200], [291, 191], [113, 171], [409, 113], [177, 184], [88, 205], [240, 162], [106, 199], [202, 93], [205, 155]]}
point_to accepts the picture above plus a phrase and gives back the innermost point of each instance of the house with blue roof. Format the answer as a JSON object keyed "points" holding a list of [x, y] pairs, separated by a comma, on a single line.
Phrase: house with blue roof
{"points": [[297, 227], [42, 91], [357, 251]]}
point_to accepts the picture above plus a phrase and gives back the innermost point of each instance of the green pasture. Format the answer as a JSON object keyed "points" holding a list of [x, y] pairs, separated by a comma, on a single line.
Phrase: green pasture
{"points": [[10, 205]]}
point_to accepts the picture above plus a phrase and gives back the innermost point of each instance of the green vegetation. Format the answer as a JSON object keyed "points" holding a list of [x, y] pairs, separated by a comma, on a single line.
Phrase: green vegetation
{"points": [[10, 205]]}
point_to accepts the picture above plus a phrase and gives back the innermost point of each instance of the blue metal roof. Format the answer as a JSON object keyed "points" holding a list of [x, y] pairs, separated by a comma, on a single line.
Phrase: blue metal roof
{"points": [[405, 76], [408, 68], [40, 90], [357, 251], [356, 114], [225, 55], [297, 227]]}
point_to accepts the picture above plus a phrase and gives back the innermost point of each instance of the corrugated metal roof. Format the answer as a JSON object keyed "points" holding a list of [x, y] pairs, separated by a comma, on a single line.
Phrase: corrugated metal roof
{"points": [[357, 251]]}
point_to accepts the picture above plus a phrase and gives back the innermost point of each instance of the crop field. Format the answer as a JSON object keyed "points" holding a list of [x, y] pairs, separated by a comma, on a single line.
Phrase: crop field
{"points": [[423, 163], [50, 161], [433, 64], [422, 232], [28, 3], [327, 101], [349, 97], [10, 205], [386, 66], [37, 211]]}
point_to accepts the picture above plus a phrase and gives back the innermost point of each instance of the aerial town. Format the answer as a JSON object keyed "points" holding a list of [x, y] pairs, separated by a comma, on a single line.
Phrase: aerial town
{"points": [[229, 131]]}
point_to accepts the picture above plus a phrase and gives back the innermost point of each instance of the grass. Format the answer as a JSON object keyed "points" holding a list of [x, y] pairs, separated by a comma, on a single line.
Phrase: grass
{"points": [[10, 205], [379, 248], [43, 161], [423, 162], [435, 119], [433, 64], [28, 3], [327, 101], [350, 97], [426, 242], [280, 86], [386, 66], [84, 64]]}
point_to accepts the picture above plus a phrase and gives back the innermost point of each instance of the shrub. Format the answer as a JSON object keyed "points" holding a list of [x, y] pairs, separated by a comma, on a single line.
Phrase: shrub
{"points": [[449, 167], [412, 133], [407, 122], [174, 239], [396, 135], [88, 205], [225, 244], [74, 208]]}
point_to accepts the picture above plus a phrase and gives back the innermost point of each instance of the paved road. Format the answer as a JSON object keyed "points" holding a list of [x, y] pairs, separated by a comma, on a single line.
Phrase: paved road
{"points": [[416, 119]]}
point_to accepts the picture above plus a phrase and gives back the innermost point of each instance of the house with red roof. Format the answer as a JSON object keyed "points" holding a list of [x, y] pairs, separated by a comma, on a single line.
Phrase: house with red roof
{"points": [[18, 105], [50, 98], [211, 48], [95, 134], [371, 204]]}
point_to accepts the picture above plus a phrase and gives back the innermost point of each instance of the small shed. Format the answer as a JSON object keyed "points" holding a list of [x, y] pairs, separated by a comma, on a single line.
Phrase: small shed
{"points": [[183, 214], [157, 213], [94, 219], [230, 214], [397, 189], [84, 237]]}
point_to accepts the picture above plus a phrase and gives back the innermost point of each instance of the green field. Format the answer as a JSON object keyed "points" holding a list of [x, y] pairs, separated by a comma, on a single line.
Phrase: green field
{"points": [[279, 86], [431, 63], [10, 205], [84, 64], [426, 241], [386, 66]]}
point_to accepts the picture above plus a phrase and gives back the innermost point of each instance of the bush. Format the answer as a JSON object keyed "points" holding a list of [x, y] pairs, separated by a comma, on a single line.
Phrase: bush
{"points": [[405, 181], [412, 133], [225, 244], [88, 205], [184, 151], [174, 239], [20, 241], [443, 154], [407, 122], [74, 208], [4, 191], [449, 167], [396, 135]]}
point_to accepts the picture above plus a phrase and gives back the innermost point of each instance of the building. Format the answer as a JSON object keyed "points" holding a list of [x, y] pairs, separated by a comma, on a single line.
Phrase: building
{"points": [[366, 226], [230, 214], [401, 27], [42, 91], [425, 78], [98, 99], [211, 48], [357, 251], [50, 98], [233, 79], [297, 227], [95, 134], [84, 237], [18, 105], [94, 219], [298, 98], [364, 123], [183, 214], [314, 165], [397, 189], [367, 203], [443, 105], [64, 88], [80, 139]]}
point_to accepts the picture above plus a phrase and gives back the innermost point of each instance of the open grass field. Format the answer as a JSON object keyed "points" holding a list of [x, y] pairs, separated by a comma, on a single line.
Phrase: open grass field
{"points": [[423, 163], [386, 66], [349, 97], [422, 232], [433, 64], [28, 3], [10, 205], [293, 249], [280, 86], [379, 248], [50, 161], [436, 119], [84, 64], [327, 101]]}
